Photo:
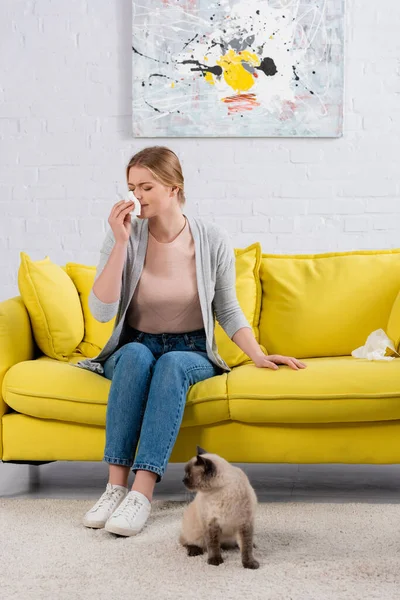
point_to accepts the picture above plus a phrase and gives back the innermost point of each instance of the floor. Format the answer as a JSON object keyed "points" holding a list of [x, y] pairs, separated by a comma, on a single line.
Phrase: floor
{"points": [[272, 482]]}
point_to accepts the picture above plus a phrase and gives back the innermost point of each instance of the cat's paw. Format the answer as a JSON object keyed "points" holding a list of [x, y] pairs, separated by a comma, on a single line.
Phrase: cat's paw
{"points": [[251, 564], [215, 560], [194, 550]]}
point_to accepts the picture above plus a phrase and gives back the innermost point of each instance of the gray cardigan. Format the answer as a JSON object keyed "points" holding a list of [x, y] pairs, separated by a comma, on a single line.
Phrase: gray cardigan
{"points": [[216, 281]]}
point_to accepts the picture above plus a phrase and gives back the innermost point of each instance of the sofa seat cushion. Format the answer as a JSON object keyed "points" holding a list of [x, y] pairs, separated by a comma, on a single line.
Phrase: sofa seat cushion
{"points": [[50, 389], [330, 390]]}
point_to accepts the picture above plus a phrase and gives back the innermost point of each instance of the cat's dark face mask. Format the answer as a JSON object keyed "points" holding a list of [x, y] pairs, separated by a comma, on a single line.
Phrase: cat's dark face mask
{"points": [[199, 472]]}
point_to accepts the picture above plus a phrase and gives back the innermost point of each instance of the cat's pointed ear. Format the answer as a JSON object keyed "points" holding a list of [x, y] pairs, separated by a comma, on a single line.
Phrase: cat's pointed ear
{"points": [[200, 460], [201, 451], [207, 464]]}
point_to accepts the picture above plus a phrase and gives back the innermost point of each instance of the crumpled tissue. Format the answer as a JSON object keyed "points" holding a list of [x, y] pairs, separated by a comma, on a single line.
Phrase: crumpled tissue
{"points": [[377, 347], [136, 211]]}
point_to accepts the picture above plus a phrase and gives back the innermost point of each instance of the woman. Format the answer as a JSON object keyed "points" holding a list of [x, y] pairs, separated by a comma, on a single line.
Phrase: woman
{"points": [[166, 277]]}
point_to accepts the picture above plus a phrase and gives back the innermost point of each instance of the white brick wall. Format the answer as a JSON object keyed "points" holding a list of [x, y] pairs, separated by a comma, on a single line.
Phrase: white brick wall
{"points": [[65, 137]]}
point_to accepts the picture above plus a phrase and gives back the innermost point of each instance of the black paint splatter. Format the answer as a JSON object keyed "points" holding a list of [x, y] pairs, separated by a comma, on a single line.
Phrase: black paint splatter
{"points": [[187, 43], [268, 67], [222, 45], [297, 78], [155, 59], [159, 75], [153, 107], [216, 69]]}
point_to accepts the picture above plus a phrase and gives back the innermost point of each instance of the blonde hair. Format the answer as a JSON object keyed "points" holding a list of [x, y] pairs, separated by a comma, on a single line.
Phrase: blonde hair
{"points": [[163, 164]]}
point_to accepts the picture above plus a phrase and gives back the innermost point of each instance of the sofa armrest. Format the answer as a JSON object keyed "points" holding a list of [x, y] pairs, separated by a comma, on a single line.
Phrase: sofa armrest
{"points": [[16, 342], [393, 326]]}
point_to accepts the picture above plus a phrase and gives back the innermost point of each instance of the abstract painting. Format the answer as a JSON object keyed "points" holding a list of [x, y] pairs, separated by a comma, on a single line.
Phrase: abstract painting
{"points": [[237, 68]]}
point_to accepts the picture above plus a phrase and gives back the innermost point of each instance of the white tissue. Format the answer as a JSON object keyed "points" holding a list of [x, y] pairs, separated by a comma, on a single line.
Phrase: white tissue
{"points": [[376, 347], [136, 211]]}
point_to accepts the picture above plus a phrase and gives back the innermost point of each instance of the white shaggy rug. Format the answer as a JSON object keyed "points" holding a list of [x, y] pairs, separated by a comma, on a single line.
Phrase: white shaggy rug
{"points": [[307, 551]]}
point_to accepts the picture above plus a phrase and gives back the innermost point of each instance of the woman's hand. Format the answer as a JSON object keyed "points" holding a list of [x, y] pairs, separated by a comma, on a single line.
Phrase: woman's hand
{"points": [[120, 220], [273, 360]]}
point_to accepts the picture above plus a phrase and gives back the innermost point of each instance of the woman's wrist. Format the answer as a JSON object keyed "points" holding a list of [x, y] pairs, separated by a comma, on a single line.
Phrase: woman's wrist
{"points": [[121, 243]]}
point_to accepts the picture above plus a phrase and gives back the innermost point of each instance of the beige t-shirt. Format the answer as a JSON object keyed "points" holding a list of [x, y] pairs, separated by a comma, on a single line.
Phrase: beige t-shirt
{"points": [[166, 299]]}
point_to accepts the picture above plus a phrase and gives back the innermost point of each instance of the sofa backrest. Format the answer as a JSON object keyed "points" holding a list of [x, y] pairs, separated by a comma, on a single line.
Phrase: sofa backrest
{"points": [[326, 304]]}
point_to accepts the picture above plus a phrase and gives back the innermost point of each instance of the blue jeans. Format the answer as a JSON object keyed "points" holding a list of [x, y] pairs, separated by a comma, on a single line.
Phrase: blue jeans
{"points": [[150, 376]]}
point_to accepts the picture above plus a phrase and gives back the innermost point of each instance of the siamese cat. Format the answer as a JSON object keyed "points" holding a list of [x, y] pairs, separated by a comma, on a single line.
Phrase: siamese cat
{"points": [[222, 513]]}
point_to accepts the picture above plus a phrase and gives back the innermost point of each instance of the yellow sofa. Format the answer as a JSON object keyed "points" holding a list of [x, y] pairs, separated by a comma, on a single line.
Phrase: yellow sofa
{"points": [[317, 308]]}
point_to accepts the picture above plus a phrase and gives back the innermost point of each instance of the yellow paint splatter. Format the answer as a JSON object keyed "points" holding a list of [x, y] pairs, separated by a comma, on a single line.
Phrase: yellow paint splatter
{"points": [[209, 78], [235, 75]]}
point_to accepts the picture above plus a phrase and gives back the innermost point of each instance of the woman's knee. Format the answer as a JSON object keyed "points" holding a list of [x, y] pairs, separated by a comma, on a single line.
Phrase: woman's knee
{"points": [[171, 359], [129, 354], [188, 367], [175, 362], [133, 352]]}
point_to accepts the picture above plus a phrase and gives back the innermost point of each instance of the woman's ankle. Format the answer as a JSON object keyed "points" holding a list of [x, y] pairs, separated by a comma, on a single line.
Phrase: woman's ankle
{"points": [[119, 483], [144, 483], [145, 492], [118, 475]]}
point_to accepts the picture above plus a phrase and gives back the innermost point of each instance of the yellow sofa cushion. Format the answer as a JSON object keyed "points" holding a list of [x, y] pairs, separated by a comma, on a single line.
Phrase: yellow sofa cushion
{"points": [[326, 304], [339, 389], [330, 390], [49, 389], [248, 291], [96, 333], [52, 302], [393, 326]]}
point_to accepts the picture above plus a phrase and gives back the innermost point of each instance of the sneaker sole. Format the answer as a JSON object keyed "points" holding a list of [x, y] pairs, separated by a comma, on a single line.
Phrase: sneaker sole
{"points": [[120, 530], [94, 524]]}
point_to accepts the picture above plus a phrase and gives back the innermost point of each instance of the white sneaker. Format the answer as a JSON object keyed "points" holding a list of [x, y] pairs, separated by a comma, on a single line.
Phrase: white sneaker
{"points": [[131, 515], [97, 516]]}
